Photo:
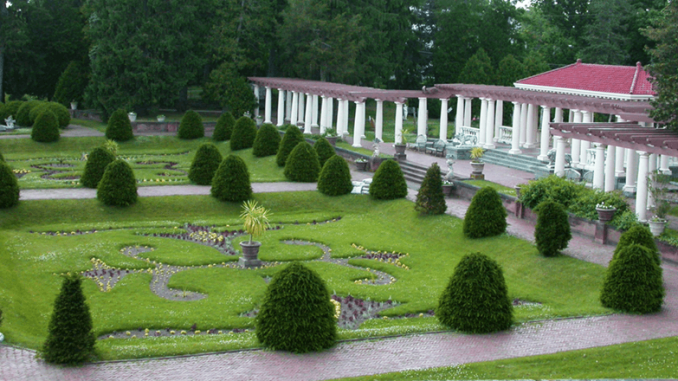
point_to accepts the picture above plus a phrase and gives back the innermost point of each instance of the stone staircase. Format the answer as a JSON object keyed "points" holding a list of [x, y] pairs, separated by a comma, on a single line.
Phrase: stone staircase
{"points": [[520, 162], [413, 172]]}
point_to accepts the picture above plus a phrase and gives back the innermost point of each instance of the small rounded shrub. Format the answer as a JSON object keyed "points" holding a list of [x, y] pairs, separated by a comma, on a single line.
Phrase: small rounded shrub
{"points": [[335, 177], [640, 235], [46, 128], [224, 127], [11, 109], [292, 137], [37, 110], [388, 182], [324, 150], [430, 199], [118, 187], [191, 126], [297, 314], [486, 216], [119, 127], [232, 180], [23, 113], [205, 163], [244, 133], [633, 282], [267, 141], [302, 164], [560, 190], [61, 112], [552, 232], [9, 187], [97, 160], [476, 298]]}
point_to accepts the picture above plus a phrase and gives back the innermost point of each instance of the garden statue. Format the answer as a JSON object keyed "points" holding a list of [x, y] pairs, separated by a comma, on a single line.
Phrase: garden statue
{"points": [[450, 170], [9, 122], [375, 147]]}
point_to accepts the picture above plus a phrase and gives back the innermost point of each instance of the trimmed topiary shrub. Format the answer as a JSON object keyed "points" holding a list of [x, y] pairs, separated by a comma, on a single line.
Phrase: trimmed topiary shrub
{"points": [[560, 190], [232, 180], [335, 177], [11, 109], [292, 137], [244, 133], [72, 83], [119, 127], [476, 298], [1, 157], [552, 232], [46, 128], [118, 187], [70, 340], [9, 187], [23, 113], [633, 282], [61, 112], [430, 199], [388, 182], [191, 126], [267, 141], [486, 216], [324, 150], [205, 163], [97, 160], [640, 235], [302, 164], [297, 314], [224, 127]]}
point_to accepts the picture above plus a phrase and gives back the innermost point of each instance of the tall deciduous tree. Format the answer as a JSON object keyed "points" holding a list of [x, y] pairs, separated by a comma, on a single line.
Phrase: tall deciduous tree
{"points": [[509, 71], [570, 17], [606, 35], [478, 70]]}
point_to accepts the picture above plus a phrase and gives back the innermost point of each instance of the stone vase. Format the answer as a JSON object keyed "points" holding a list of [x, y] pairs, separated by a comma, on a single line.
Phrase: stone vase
{"points": [[605, 215], [250, 254]]}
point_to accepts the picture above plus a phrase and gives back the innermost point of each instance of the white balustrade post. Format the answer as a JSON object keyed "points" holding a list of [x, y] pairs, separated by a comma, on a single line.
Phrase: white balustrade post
{"points": [[483, 121], [421, 117], [281, 108], [610, 163], [468, 111], [294, 113], [641, 195], [314, 115], [515, 130], [459, 116], [498, 119], [545, 133], [398, 122], [489, 125], [599, 168], [631, 171], [664, 165], [559, 169], [308, 115], [443, 119], [288, 106], [379, 122]]}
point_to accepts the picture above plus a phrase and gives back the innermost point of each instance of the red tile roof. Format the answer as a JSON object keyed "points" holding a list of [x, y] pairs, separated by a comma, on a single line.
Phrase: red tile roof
{"points": [[628, 80]]}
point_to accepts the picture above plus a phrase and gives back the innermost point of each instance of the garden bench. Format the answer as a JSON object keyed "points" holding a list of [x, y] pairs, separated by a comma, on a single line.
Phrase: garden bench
{"points": [[420, 143], [438, 148]]}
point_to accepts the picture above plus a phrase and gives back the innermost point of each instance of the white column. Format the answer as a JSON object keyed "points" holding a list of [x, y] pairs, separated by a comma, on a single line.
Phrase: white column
{"points": [[267, 106], [300, 116], [664, 165], [281, 107], [641, 195], [323, 113], [619, 161], [599, 168], [515, 133], [489, 125], [330, 112], [340, 116], [559, 169], [459, 116], [523, 124], [576, 143], [545, 133], [498, 119], [294, 113], [421, 117], [631, 171], [314, 115], [443, 119], [585, 144], [359, 123], [379, 122], [610, 163], [530, 140], [288, 106], [483, 121], [651, 170], [256, 95], [309, 114], [558, 118], [398, 122], [346, 116], [468, 111]]}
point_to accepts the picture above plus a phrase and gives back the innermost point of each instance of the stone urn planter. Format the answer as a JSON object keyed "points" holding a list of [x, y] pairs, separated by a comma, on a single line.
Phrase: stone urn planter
{"points": [[361, 165], [250, 254], [332, 140], [477, 170], [400, 148], [605, 215], [161, 118], [74, 105], [132, 116], [657, 226]]}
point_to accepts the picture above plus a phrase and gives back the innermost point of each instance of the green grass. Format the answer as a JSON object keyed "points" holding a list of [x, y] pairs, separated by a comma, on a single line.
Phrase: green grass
{"points": [[95, 124], [643, 359], [498, 187]]}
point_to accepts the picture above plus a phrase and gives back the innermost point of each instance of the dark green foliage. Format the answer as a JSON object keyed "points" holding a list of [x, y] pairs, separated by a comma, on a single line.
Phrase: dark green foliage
{"points": [[72, 83], [23, 114], [509, 71], [119, 127], [297, 314], [388, 182], [61, 113], [585, 204], [639, 235], [302, 164], [244, 133], [430, 199], [292, 137], [267, 141], [232, 180], [97, 160], [11, 109], [476, 298], [324, 150], [2, 158], [552, 187], [205, 163], [46, 128], [118, 187], [191, 126], [335, 177], [478, 70], [70, 340], [552, 232], [633, 282], [9, 186], [224, 127], [486, 216]]}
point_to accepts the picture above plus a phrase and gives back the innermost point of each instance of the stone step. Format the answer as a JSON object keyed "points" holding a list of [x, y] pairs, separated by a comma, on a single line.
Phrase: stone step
{"points": [[413, 172], [520, 162]]}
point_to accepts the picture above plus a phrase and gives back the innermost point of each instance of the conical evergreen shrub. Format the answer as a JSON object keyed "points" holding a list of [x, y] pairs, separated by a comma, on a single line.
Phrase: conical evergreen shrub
{"points": [[23, 113], [70, 340], [205, 163], [72, 83], [292, 137], [388, 182], [297, 314], [486, 216], [476, 298], [232, 180], [633, 282], [191, 126], [267, 141], [244, 133], [324, 150], [2, 158], [61, 112], [119, 128], [118, 187], [552, 232], [46, 128], [9, 186], [11, 109], [642, 236], [302, 164], [97, 160], [430, 199], [224, 127], [335, 177]]}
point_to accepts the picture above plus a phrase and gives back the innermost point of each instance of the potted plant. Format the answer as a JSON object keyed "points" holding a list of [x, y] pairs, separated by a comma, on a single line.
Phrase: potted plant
{"points": [[658, 183], [518, 189], [260, 120], [478, 166], [132, 116], [74, 105], [401, 143], [255, 221], [361, 164], [331, 136], [447, 187], [161, 118], [605, 212], [658, 221]]}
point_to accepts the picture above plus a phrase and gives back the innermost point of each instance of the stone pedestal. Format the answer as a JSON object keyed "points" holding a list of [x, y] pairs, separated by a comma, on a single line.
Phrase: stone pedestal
{"points": [[477, 176], [400, 157], [250, 254]]}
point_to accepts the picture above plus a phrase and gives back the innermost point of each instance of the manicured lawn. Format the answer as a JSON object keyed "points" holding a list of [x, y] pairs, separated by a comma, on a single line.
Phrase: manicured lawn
{"points": [[498, 187]]}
